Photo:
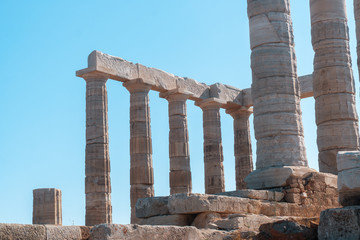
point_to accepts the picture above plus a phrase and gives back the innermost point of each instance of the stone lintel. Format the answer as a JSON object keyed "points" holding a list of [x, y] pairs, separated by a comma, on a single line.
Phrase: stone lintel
{"points": [[121, 70], [274, 177]]}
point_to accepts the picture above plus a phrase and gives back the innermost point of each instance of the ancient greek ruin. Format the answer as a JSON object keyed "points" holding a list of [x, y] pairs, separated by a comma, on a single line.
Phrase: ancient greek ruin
{"points": [[282, 198]]}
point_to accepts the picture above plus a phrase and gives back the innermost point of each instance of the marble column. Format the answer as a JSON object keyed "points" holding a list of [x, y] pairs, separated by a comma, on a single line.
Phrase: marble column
{"points": [[180, 173], [141, 166], [357, 19], [333, 83], [242, 145], [97, 161], [213, 151], [47, 207], [275, 92]]}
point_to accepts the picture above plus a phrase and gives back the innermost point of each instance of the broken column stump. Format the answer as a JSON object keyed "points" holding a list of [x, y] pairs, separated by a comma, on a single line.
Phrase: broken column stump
{"points": [[47, 207]]}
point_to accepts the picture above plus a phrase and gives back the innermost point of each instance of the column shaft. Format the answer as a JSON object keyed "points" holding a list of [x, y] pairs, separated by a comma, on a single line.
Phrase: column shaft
{"points": [[275, 87], [242, 146], [97, 161], [180, 173], [141, 166], [47, 206], [334, 88], [213, 151]]}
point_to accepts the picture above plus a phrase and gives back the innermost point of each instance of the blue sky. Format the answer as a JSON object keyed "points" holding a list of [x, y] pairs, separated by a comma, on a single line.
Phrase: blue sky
{"points": [[42, 103]]}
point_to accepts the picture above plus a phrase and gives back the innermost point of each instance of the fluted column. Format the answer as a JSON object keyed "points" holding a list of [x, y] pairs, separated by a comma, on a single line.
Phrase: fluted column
{"points": [[357, 19], [47, 206], [97, 161], [141, 166], [213, 151], [180, 173], [334, 89], [242, 145], [275, 91]]}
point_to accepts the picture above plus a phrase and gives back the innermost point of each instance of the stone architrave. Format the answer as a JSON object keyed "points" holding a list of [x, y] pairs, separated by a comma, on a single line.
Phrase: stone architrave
{"points": [[141, 165], [97, 160], [180, 173], [275, 89], [242, 145], [333, 83], [47, 208], [213, 151]]}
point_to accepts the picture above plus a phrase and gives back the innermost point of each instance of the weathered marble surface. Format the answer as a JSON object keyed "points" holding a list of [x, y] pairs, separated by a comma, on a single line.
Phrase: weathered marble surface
{"points": [[340, 223], [97, 159], [121, 70], [333, 82], [47, 206]]}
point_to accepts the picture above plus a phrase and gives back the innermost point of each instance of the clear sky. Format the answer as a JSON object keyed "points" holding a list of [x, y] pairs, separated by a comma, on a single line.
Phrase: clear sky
{"points": [[42, 103]]}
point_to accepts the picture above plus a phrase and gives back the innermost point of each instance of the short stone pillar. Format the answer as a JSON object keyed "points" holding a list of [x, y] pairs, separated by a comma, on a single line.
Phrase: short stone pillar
{"points": [[242, 145], [97, 160], [180, 173], [333, 83], [47, 207], [141, 166], [213, 151], [276, 94]]}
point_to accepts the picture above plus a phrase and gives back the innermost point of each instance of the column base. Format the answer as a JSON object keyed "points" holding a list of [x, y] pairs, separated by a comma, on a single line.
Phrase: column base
{"points": [[274, 177]]}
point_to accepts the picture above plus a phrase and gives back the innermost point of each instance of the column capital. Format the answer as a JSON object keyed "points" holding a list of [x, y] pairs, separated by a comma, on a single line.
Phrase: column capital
{"points": [[177, 94], [137, 85], [235, 112], [210, 103], [95, 76]]}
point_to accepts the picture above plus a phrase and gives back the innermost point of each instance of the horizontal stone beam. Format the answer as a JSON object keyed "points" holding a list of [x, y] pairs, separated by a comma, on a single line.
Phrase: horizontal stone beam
{"points": [[121, 70]]}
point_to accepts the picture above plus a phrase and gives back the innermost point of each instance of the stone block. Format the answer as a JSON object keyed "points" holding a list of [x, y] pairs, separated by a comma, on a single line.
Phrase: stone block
{"points": [[348, 160], [159, 79], [225, 93], [152, 206], [22, 232], [197, 90], [130, 232], [64, 232], [340, 223], [256, 7], [174, 220], [306, 86], [349, 187], [255, 194], [274, 177], [321, 10]]}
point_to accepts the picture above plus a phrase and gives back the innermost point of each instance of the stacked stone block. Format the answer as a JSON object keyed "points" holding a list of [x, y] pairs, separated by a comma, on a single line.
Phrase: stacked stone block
{"points": [[47, 206], [97, 160], [357, 19], [213, 151], [180, 173], [141, 166], [242, 145], [275, 88], [333, 82]]}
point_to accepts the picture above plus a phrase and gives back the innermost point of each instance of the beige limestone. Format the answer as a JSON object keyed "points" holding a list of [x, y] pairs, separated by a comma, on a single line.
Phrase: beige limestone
{"points": [[242, 145], [180, 173], [213, 151], [22, 232], [152, 206], [141, 166], [357, 20], [97, 160], [47, 206], [275, 89], [333, 82]]}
